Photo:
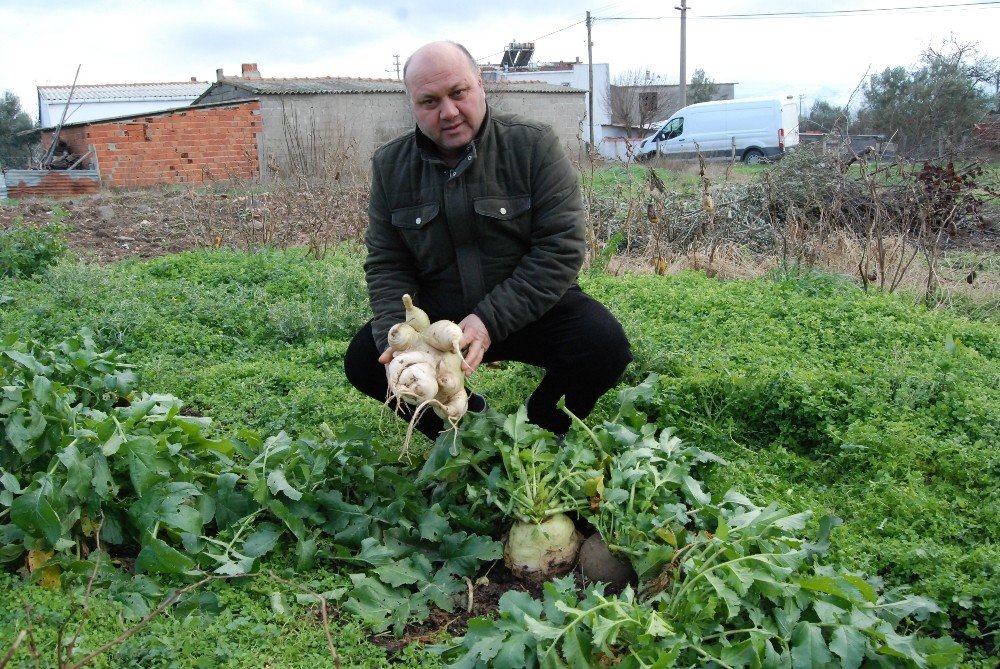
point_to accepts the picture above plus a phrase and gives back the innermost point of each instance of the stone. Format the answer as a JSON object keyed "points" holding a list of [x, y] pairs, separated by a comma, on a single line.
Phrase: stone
{"points": [[597, 563]]}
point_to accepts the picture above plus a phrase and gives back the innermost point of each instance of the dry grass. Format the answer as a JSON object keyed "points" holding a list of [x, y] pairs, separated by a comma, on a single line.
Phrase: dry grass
{"points": [[929, 231], [316, 198]]}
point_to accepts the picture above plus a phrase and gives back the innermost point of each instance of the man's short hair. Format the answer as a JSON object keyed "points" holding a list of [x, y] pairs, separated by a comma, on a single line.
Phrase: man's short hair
{"points": [[472, 61]]}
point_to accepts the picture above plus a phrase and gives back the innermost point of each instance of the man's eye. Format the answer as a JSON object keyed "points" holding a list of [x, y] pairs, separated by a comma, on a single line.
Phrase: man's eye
{"points": [[458, 95]]}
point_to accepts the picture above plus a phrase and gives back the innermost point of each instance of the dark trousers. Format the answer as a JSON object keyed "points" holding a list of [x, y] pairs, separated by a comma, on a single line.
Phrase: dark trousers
{"points": [[578, 342]]}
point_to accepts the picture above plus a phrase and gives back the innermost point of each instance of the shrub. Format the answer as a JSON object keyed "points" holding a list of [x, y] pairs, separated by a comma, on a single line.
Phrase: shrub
{"points": [[26, 250]]}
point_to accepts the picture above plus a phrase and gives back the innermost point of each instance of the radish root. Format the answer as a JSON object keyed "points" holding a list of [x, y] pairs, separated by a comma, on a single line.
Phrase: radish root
{"points": [[426, 369]]}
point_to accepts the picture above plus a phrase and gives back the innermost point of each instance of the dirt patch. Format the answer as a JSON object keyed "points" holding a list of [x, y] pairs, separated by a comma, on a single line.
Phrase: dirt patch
{"points": [[109, 227], [485, 602], [112, 226]]}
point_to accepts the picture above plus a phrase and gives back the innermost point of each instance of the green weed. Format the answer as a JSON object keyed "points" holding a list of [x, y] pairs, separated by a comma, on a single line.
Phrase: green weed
{"points": [[26, 250]]}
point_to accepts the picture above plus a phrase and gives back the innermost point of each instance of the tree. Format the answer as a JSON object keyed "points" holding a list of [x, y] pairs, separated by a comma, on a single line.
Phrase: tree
{"points": [[701, 88], [636, 100], [826, 117], [15, 148], [932, 106]]}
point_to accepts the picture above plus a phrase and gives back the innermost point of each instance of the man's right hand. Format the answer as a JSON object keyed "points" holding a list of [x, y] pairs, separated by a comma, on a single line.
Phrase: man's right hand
{"points": [[477, 339]]}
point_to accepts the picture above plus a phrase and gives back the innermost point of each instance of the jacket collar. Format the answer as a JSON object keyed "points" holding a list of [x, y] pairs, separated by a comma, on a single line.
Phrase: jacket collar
{"points": [[428, 150]]}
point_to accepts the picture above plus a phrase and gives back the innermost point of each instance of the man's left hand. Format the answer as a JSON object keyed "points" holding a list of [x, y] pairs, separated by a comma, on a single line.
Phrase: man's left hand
{"points": [[477, 339]]}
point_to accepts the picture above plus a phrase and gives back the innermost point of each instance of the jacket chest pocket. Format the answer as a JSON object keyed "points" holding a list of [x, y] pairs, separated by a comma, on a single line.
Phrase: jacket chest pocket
{"points": [[508, 215], [419, 226]]}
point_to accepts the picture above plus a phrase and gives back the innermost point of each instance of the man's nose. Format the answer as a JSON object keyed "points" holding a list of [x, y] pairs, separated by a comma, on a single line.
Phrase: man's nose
{"points": [[449, 109]]}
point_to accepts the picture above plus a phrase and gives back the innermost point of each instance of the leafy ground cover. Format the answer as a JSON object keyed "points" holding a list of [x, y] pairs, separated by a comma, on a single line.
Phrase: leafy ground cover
{"points": [[821, 399]]}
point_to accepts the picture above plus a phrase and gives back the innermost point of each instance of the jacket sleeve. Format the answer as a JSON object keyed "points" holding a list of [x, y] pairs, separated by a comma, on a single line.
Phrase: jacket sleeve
{"points": [[390, 269], [557, 245]]}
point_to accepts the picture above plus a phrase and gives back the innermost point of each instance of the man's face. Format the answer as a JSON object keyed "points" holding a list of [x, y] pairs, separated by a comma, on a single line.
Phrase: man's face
{"points": [[448, 98]]}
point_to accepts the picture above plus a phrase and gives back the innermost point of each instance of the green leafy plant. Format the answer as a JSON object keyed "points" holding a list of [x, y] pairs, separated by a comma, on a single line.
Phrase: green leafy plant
{"points": [[533, 479], [722, 582], [86, 462], [26, 250]]}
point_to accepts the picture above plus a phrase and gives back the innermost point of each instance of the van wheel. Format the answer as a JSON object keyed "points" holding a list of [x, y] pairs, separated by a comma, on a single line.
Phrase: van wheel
{"points": [[753, 157]]}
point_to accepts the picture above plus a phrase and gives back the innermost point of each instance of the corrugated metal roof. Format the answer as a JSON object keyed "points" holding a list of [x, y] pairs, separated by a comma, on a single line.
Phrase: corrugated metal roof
{"points": [[319, 85], [51, 183], [148, 114], [174, 90], [334, 85]]}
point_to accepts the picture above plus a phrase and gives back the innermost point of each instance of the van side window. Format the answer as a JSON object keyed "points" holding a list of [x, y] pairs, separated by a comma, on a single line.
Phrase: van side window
{"points": [[672, 129]]}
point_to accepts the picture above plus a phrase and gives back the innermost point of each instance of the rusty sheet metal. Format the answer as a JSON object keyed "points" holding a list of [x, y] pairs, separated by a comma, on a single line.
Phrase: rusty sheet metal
{"points": [[51, 183]]}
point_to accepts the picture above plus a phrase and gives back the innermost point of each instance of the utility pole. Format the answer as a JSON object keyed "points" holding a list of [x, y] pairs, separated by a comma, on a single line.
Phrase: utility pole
{"points": [[590, 94], [683, 87], [801, 96], [395, 58]]}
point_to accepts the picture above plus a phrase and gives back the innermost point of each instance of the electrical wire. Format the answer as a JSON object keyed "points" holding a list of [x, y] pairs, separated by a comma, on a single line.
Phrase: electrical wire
{"points": [[819, 13]]}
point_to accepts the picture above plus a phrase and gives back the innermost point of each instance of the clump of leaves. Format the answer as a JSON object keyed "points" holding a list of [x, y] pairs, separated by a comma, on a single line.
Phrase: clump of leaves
{"points": [[512, 465], [86, 464], [724, 582], [26, 250]]}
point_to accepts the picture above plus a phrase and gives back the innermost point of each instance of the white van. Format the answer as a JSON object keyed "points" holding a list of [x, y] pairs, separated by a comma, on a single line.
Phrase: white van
{"points": [[757, 129]]}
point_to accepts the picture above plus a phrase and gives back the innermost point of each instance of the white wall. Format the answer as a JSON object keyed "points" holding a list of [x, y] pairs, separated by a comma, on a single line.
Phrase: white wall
{"points": [[578, 77], [50, 112]]}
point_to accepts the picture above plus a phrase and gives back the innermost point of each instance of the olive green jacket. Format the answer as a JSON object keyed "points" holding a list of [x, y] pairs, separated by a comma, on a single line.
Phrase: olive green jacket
{"points": [[500, 235]]}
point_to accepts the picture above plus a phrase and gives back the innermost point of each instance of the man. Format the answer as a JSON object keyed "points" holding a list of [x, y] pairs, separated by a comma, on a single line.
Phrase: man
{"points": [[479, 217]]}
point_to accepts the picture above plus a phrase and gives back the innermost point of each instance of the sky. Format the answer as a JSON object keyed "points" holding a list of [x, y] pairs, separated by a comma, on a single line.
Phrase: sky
{"points": [[811, 49]]}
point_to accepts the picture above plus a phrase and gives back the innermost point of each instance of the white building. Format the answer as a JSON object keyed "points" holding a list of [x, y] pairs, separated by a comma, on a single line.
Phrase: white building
{"points": [[90, 102], [573, 75]]}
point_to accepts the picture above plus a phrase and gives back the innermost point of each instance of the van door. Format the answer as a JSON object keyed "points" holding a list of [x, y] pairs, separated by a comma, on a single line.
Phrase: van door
{"points": [[700, 130], [706, 132], [668, 139], [753, 128]]}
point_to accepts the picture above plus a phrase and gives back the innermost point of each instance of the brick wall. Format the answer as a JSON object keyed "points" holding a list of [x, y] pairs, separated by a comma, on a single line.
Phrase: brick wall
{"points": [[181, 146]]}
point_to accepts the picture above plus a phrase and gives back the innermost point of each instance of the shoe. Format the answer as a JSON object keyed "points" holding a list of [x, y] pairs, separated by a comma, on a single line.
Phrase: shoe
{"points": [[477, 403]]}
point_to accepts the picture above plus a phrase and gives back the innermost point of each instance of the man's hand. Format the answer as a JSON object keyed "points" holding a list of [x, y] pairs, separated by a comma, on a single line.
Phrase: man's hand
{"points": [[477, 339]]}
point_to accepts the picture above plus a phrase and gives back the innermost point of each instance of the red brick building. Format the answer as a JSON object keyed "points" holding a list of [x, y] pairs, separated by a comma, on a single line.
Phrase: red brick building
{"points": [[183, 145]]}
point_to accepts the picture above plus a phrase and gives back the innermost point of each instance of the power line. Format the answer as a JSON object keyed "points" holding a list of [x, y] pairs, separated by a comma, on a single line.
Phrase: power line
{"points": [[559, 30], [806, 14], [847, 12]]}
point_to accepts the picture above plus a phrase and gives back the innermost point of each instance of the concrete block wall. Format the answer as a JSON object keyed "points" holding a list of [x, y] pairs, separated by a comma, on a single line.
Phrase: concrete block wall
{"points": [[303, 130], [565, 112], [190, 146]]}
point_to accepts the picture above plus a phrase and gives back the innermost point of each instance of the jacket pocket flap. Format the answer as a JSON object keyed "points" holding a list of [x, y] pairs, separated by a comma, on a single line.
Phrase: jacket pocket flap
{"points": [[502, 208], [415, 217]]}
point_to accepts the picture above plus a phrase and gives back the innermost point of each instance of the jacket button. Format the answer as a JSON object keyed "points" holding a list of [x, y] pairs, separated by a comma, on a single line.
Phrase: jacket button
{"points": [[503, 210], [418, 221]]}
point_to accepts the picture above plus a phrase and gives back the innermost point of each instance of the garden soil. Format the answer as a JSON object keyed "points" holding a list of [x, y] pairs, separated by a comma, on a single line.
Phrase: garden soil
{"points": [[112, 226]]}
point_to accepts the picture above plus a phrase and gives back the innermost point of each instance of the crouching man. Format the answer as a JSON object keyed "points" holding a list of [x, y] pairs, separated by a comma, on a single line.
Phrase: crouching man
{"points": [[479, 217]]}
